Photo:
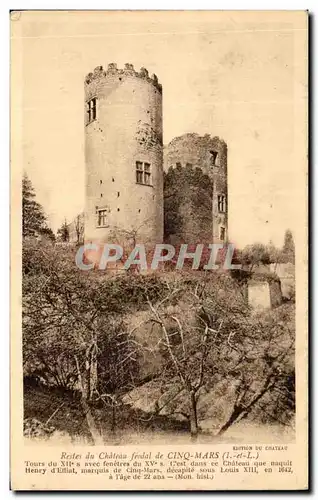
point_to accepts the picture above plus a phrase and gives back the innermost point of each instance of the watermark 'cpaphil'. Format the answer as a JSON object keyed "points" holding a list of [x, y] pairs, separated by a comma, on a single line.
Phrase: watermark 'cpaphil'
{"points": [[206, 257]]}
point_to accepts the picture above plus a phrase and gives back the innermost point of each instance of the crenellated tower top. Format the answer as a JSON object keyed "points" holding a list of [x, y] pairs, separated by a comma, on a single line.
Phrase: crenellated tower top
{"points": [[128, 70]]}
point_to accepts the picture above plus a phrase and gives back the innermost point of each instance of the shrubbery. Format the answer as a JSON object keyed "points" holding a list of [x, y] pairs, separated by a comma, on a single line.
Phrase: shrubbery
{"points": [[75, 335]]}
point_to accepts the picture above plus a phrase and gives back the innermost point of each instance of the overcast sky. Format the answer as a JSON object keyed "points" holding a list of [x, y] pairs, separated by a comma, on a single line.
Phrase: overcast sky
{"points": [[239, 76]]}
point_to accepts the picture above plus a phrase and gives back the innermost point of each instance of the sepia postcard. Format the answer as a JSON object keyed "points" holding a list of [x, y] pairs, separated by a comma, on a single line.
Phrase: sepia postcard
{"points": [[159, 226]]}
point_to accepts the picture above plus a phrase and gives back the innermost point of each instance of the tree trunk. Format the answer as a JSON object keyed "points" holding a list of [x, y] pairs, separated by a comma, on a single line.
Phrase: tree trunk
{"points": [[113, 426], [93, 373], [233, 417], [242, 412], [193, 416], [83, 386], [97, 439], [90, 379]]}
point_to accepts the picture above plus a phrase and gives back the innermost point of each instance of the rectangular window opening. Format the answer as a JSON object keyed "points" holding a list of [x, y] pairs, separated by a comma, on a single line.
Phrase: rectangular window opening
{"points": [[101, 218], [214, 158], [143, 173], [222, 233], [221, 203], [91, 110]]}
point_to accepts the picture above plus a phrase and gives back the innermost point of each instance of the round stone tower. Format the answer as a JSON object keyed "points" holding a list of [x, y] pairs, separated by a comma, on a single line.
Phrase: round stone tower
{"points": [[201, 206], [123, 155]]}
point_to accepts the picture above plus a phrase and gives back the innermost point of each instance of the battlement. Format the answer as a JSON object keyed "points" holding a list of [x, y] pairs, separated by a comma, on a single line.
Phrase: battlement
{"points": [[128, 70]]}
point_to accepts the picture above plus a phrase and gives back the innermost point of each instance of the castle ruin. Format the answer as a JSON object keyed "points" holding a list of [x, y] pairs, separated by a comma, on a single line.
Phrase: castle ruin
{"points": [[123, 154], [125, 166], [196, 189]]}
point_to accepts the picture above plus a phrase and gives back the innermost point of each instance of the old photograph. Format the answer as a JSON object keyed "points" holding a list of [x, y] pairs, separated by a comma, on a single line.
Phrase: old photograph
{"points": [[159, 227]]}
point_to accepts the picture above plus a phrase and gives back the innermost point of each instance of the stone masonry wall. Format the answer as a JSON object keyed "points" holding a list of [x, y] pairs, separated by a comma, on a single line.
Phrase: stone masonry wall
{"points": [[127, 129], [210, 155]]}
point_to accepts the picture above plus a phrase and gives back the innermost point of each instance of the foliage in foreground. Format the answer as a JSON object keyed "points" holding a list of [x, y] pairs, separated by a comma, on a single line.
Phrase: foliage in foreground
{"points": [[75, 336], [34, 221], [207, 336]]}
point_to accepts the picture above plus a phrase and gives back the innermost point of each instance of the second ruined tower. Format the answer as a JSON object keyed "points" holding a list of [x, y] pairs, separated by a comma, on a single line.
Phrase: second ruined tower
{"points": [[199, 211]]}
